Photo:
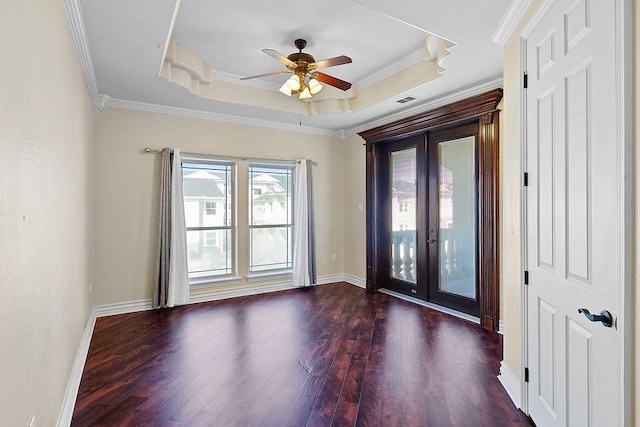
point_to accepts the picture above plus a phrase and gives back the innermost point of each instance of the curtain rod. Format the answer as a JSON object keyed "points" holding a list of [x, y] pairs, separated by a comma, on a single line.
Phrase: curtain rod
{"points": [[248, 159]]}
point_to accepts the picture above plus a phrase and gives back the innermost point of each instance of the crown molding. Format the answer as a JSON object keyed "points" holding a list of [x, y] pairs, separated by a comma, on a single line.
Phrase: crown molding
{"points": [[510, 21], [391, 69], [98, 103], [425, 106], [234, 78], [76, 24], [218, 117]]}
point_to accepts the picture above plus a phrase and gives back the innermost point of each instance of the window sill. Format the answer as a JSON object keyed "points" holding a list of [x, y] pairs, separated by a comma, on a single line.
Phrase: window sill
{"points": [[270, 275], [207, 282]]}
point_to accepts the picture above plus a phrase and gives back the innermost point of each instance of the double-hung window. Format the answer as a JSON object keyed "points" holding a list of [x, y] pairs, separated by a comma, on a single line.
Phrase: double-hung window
{"points": [[208, 187], [270, 217]]}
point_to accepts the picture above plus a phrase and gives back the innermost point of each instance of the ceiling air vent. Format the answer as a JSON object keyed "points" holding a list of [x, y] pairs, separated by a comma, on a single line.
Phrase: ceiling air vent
{"points": [[405, 100]]}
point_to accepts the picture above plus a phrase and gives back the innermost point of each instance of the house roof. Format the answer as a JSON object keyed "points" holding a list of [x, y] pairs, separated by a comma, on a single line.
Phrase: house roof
{"points": [[198, 186]]}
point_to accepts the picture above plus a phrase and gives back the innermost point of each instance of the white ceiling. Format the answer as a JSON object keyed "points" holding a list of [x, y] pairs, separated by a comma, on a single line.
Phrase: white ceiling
{"points": [[127, 42]]}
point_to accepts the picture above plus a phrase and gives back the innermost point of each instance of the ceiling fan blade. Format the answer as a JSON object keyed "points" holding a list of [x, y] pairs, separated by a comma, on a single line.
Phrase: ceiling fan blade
{"points": [[275, 73], [280, 57], [332, 81], [331, 62]]}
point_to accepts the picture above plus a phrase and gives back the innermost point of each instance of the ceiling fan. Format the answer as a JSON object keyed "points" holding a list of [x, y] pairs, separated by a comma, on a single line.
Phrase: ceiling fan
{"points": [[305, 79]]}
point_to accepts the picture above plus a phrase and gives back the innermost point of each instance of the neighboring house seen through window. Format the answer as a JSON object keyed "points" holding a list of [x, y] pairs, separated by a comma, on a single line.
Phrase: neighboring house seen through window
{"points": [[209, 216], [270, 217], [210, 191], [210, 208]]}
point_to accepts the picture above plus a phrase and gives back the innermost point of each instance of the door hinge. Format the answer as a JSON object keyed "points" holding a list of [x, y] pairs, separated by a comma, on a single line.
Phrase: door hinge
{"points": [[526, 277], [526, 179], [525, 80], [526, 375]]}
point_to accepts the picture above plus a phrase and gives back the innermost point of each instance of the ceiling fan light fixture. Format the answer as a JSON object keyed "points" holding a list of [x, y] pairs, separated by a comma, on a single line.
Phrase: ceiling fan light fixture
{"points": [[314, 86], [293, 83], [285, 89], [305, 81], [305, 94]]}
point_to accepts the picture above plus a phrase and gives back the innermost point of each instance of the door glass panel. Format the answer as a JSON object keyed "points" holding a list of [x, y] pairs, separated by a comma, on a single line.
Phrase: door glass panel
{"points": [[457, 216], [403, 214]]}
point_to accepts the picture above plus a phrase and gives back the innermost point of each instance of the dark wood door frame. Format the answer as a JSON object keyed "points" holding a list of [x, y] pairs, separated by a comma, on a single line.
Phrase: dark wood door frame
{"points": [[481, 110]]}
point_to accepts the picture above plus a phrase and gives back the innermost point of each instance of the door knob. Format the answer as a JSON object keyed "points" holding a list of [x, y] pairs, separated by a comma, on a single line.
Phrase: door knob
{"points": [[604, 317]]}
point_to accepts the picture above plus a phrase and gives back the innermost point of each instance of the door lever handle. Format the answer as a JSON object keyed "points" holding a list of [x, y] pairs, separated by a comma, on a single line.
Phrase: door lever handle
{"points": [[604, 317], [431, 241]]}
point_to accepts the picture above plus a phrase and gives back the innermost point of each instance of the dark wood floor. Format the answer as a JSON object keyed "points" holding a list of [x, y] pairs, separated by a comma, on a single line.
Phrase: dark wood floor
{"points": [[322, 356]]}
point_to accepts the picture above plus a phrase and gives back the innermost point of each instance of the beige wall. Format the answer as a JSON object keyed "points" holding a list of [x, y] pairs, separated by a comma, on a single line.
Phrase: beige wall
{"points": [[354, 200], [45, 216], [511, 265], [126, 190], [636, 189]]}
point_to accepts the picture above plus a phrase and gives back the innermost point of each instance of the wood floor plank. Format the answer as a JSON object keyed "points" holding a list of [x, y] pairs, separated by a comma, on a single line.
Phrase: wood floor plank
{"points": [[330, 355]]}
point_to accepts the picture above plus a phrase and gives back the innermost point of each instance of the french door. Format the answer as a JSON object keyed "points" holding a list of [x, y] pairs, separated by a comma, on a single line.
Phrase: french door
{"points": [[402, 201], [453, 219], [432, 206], [428, 201]]}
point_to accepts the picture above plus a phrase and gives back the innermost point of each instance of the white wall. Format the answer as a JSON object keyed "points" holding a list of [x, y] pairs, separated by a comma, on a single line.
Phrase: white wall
{"points": [[45, 210], [126, 191]]}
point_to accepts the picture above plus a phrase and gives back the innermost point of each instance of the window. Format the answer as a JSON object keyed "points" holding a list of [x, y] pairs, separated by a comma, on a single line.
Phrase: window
{"points": [[210, 208], [209, 215], [211, 238], [270, 217], [403, 207]]}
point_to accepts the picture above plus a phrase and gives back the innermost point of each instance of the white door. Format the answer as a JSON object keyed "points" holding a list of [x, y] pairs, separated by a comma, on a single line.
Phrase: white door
{"points": [[573, 215]]}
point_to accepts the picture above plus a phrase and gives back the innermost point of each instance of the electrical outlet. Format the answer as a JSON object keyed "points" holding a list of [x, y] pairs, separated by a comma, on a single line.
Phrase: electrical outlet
{"points": [[32, 421], [333, 257]]}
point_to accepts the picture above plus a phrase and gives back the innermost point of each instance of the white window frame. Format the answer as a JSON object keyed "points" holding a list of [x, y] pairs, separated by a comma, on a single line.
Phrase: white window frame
{"points": [[277, 272], [205, 277]]}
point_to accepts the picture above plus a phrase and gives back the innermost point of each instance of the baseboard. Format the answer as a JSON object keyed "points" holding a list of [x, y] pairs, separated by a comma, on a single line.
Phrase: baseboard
{"points": [[215, 295], [331, 278], [66, 413], [511, 384], [122, 308], [143, 305], [355, 280]]}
